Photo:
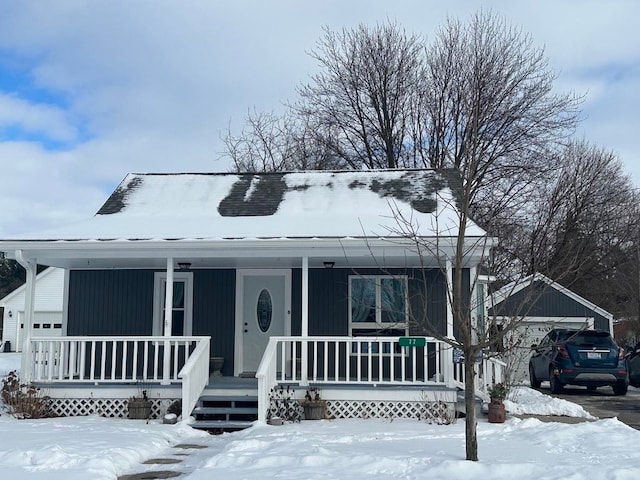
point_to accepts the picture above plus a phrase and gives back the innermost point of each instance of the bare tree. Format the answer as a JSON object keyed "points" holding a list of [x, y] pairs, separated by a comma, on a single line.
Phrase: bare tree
{"points": [[270, 143], [491, 114], [478, 100], [586, 225], [362, 100]]}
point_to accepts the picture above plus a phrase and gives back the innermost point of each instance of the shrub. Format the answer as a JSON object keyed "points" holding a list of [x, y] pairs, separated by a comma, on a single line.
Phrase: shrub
{"points": [[283, 405], [23, 400]]}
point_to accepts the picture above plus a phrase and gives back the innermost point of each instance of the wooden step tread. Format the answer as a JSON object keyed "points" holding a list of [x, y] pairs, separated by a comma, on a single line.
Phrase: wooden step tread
{"points": [[221, 424], [228, 398], [224, 410]]}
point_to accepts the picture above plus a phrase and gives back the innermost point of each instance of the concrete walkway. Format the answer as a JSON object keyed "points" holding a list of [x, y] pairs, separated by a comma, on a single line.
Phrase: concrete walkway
{"points": [[171, 466]]}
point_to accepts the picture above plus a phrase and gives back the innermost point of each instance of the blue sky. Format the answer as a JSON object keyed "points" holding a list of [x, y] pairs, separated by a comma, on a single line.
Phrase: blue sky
{"points": [[92, 90]]}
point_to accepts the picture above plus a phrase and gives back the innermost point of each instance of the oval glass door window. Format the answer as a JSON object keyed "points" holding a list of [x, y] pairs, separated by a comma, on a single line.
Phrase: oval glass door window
{"points": [[264, 310]]}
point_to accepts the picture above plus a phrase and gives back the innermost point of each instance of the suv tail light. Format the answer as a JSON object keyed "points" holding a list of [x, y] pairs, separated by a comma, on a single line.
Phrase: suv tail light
{"points": [[620, 353]]}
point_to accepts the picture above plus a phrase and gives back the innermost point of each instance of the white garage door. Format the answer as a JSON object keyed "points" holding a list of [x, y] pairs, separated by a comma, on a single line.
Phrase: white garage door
{"points": [[45, 324]]}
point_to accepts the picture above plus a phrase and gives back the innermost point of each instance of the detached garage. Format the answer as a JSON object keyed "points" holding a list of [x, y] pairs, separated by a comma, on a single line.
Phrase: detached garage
{"points": [[537, 304], [48, 309]]}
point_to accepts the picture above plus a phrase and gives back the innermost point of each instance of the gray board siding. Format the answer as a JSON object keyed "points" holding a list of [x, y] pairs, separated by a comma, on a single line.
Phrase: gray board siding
{"points": [[329, 303], [110, 302], [120, 302], [542, 300], [214, 311]]}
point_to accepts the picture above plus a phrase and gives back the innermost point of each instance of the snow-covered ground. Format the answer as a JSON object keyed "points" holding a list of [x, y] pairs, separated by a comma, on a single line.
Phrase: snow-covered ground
{"points": [[98, 448]]}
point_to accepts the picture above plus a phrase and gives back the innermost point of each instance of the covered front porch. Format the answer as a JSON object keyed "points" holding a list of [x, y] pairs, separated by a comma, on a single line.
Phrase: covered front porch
{"points": [[351, 372]]}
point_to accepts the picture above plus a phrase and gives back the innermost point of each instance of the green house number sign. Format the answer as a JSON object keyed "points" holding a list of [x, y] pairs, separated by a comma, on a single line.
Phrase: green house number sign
{"points": [[412, 341]]}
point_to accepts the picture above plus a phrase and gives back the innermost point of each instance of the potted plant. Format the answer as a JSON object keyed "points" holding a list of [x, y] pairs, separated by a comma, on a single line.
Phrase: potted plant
{"points": [[314, 407], [497, 393], [139, 407]]}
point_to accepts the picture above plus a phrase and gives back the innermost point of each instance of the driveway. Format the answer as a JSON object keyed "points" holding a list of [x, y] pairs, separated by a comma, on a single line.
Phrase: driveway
{"points": [[603, 403]]}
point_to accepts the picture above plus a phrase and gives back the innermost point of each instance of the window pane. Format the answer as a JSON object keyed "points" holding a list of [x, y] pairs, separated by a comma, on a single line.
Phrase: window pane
{"points": [[393, 300], [177, 323], [363, 300], [178, 295], [264, 311]]}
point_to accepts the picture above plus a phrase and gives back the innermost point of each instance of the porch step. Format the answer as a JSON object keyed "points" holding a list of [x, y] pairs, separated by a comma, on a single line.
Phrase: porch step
{"points": [[223, 413], [221, 425]]}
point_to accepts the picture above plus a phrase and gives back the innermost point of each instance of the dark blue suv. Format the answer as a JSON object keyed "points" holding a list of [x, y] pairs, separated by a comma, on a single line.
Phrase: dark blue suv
{"points": [[590, 358]]}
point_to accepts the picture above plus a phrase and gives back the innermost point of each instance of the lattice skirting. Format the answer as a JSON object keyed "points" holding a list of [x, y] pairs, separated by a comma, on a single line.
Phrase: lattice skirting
{"points": [[105, 407], [432, 412]]}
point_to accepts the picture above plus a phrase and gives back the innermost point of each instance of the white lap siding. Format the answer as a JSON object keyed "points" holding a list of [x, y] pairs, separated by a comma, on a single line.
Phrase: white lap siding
{"points": [[48, 308]]}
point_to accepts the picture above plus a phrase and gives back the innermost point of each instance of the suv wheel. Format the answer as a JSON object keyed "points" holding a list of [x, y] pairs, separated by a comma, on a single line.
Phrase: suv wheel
{"points": [[555, 384], [620, 388], [533, 380]]}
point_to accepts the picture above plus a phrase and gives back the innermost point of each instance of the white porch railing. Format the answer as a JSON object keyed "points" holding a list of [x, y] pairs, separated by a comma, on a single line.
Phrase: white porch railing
{"points": [[195, 375], [350, 360], [110, 359], [493, 371]]}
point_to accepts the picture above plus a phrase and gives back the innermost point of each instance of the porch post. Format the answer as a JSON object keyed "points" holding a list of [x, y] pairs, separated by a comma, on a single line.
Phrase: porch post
{"points": [[168, 321], [447, 367], [304, 328], [451, 293], [30, 265], [474, 306]]}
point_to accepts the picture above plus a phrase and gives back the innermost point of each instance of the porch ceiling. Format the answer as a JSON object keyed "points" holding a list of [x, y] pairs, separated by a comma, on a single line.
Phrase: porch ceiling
{"points": [[274, 253], [265, 253]]}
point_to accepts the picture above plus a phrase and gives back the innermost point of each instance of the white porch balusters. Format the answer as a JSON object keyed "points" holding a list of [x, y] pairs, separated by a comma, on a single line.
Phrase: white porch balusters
{"points": [[30, 265], [168, 322]]}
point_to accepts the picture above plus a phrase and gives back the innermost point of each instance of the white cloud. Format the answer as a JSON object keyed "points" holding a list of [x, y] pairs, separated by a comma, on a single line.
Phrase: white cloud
{"points": [[36, 118]]}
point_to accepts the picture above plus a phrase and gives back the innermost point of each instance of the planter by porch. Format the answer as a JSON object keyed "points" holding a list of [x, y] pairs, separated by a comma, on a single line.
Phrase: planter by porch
{"points": [[139, 409], [497, 412], [215, 366], [314, 410]]}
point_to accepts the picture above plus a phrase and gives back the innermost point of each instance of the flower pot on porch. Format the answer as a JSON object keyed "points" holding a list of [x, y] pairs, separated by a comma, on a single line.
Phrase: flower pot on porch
{"points": [[497, 412], [314, 410], [215, 366], [139, 409]]}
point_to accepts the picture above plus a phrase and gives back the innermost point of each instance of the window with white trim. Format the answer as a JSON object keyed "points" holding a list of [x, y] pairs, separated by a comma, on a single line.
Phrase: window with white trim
{"points": [[378, 305]]}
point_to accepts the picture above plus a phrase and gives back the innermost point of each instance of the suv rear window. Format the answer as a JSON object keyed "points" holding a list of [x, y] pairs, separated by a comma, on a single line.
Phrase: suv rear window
{"points": [[589, 338]]}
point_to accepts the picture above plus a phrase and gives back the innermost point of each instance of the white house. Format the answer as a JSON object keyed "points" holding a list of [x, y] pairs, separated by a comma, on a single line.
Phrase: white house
{"points": [[47, 320]]}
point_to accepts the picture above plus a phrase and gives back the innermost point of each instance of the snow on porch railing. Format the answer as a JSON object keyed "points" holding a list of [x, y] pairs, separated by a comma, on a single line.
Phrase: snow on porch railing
{"points": [[109, 359], [349, 360]]}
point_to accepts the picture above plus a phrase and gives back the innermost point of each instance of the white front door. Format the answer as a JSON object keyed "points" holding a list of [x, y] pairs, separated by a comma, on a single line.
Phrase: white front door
{"points": [[263, 310]]}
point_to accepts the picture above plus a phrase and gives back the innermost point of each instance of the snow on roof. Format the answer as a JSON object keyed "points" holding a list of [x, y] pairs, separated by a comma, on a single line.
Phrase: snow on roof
{"points": [[315, 204]]}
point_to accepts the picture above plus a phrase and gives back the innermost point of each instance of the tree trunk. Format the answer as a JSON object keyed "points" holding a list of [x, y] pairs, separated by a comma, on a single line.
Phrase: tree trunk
{"points": [[471, 423]]}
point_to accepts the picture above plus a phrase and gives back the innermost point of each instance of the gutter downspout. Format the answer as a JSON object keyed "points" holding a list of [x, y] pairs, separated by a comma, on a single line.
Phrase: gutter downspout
{"points": [[31, 266]]}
